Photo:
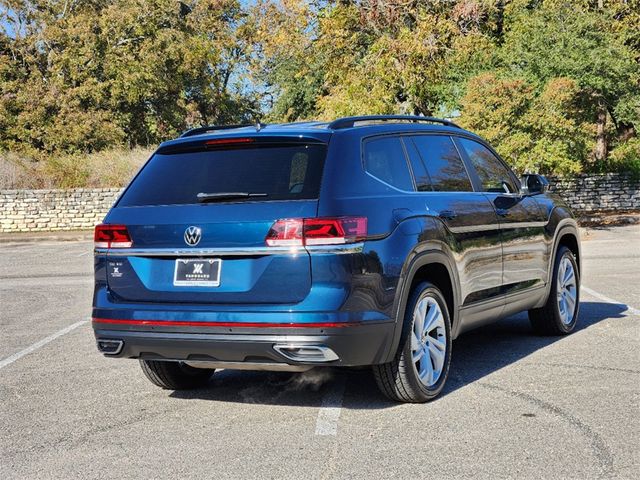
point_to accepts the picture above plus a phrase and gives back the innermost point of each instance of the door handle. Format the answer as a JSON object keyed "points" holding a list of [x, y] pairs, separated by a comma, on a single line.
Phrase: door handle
{"points": [[503, 212], [447, 214]]}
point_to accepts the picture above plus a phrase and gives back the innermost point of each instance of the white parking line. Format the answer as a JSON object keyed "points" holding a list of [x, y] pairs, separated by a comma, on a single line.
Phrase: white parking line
{"points": [[41, 343], [329, 414], [604, 298]]}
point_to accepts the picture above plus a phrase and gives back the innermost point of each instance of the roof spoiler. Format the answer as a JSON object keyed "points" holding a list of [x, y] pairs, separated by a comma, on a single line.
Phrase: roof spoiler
{"points": [[214, 128]]}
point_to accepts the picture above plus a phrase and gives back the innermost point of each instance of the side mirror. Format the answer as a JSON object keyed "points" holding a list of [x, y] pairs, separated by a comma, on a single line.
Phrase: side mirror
{"points": [[534, 184]]}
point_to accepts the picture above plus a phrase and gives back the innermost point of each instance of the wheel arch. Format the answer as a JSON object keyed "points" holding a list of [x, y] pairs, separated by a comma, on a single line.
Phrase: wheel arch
{"points": [[570, 239], [434, 266], [566, 234]]}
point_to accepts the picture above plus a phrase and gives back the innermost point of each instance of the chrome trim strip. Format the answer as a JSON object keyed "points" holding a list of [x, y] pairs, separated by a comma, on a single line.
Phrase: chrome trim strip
{"points": [[230, 252], [474, 228], [200, 252], [497, 226], [272, 367], [507, 226], [336, 249]]}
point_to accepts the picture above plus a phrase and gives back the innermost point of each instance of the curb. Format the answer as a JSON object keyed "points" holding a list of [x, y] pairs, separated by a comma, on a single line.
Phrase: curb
{"points": [[60, 236], [609, 220]]}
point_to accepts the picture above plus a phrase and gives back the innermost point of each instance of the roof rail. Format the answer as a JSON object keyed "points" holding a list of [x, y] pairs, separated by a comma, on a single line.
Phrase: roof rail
{"points": [[349, 122], [213, 128]]}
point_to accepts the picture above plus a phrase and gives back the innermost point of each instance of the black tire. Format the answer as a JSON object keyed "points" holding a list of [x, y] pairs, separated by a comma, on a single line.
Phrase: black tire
{"points": [[399, 379], [175, 375], [547, 320]]}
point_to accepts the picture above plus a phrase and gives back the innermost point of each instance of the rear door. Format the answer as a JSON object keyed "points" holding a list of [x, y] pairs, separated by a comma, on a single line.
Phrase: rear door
{"points": [[522, 221], [198, 216], [468, 216]]}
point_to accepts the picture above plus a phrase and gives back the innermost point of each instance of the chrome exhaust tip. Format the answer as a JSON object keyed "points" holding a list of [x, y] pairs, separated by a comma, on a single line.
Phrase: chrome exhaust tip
{"points": [[306, 353], [110, 347]]}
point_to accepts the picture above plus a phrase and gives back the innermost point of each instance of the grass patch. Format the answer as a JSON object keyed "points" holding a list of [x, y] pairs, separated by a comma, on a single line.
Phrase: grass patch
{"points": [[105, 169]]}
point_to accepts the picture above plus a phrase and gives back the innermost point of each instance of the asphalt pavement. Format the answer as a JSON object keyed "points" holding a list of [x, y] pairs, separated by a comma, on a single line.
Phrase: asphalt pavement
{"points": [[516, 405]]}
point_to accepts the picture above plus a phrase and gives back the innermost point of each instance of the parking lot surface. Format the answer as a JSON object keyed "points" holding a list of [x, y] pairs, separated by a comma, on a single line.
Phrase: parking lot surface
{"points": [[515, 406]]}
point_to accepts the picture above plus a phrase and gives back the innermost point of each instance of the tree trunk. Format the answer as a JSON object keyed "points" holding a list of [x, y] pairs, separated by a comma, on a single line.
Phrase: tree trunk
{"points": [[626, 131], [600, 152], [500, 22]]}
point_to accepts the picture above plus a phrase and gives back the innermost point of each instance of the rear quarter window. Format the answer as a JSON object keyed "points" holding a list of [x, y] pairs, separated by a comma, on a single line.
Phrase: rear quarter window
{"points": [[280, 172], [384, 158]]}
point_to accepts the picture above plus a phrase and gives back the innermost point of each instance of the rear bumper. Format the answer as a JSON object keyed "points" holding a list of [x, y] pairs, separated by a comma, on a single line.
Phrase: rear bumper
{"points": [[353, 344]]}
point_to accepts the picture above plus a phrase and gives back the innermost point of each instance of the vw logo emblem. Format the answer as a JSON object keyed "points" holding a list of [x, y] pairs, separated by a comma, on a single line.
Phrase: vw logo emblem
{"points": [[192, 236]]}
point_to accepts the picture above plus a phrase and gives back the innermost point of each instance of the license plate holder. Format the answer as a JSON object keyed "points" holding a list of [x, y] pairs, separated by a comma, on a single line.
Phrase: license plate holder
{"points": [[197, 272]]}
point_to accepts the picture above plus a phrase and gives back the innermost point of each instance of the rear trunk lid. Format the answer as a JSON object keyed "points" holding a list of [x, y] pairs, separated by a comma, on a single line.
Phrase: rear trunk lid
{"points": [[197, 237]]}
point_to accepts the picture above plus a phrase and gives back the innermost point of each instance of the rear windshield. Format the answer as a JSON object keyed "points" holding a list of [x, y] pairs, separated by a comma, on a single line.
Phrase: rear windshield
{"points": [[279, 172]]}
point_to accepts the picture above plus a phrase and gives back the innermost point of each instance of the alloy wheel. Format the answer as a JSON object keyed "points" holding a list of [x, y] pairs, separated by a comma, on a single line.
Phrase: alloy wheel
{"points": [[567, 290], [428, 340]]}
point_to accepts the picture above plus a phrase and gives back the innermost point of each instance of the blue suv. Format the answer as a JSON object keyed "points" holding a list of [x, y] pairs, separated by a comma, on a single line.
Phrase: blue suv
{"points": [[365, 241]]}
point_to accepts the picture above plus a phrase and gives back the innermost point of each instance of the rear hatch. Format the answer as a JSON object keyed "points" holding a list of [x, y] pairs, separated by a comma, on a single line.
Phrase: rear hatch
{"points": [[198, 214]]}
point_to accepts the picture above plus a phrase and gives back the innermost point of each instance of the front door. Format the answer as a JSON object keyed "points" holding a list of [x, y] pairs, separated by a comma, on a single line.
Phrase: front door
{"points": [[522, 221]]}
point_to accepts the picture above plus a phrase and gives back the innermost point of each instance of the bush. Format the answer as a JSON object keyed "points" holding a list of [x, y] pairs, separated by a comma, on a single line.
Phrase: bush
{"points": [[115, 167], [67, 171], [18, 171], [626, 157]]}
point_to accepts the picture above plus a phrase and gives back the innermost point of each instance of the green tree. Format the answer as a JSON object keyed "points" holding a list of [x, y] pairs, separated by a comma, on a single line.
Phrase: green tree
{"points": [[285, 68], [84, 75], [560, 39], [379, 57], [566, 72], [533, 131], [555, 84]]}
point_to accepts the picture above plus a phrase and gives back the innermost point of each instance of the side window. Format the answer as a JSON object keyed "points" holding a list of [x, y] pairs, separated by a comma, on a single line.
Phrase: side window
{"points": [[494, 176], [423, 182], [384, 158], [443, 163]]}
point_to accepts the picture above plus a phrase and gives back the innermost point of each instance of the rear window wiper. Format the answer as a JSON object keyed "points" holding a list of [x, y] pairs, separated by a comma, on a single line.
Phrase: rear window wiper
{"points": [[221, 196]]}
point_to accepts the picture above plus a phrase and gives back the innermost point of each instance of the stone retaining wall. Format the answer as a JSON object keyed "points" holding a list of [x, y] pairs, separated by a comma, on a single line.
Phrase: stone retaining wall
{"points": [[593, 193], [50, 210], [77, 209]]}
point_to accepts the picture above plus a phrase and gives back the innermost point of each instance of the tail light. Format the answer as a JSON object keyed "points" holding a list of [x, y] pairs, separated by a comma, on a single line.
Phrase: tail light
{"points": [[316, 231], [111, 236], [334, 231], [286, 233]]}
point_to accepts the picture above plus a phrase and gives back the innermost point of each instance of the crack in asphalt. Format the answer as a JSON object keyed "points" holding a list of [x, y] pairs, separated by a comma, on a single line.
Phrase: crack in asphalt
{"points": [[578, 367], [601, 450], [72, 441]]}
